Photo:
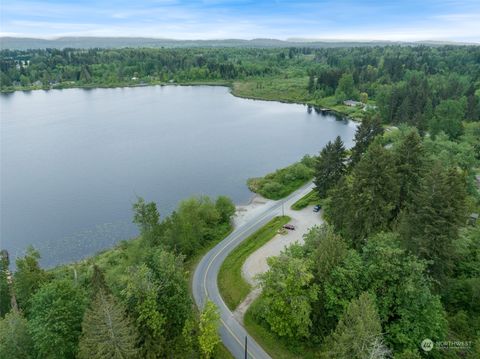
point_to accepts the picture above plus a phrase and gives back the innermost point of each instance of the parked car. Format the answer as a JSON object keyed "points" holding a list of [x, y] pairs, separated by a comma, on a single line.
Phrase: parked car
{"points": [[317, 208], [289, 226]]}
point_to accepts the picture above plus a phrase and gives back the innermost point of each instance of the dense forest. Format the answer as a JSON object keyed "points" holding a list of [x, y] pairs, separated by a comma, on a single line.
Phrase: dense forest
{"points": [[404, 84], [398, 259], [129, 302], [397, 262]]}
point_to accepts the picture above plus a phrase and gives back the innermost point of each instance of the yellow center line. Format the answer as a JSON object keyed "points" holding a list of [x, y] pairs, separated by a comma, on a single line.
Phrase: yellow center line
{"points": [[211, 262]]}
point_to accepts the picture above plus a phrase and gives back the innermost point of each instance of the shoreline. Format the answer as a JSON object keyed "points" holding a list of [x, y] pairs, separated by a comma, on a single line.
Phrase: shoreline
{"points": [[228, 84]]}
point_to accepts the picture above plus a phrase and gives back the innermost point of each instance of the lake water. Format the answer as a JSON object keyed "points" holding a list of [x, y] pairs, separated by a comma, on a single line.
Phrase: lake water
{"points": [[73, 161]]}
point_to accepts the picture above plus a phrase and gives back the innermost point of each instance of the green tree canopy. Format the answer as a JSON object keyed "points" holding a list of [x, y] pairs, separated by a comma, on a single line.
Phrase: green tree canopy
{"points": [[106, 330], [15, 340], [358, 334], [431, 222], [368, 130], [366, 204], [448, 118], [330, 166], [145, 215], [287, 297], [208, 337], [57, 310], [28, 278]]}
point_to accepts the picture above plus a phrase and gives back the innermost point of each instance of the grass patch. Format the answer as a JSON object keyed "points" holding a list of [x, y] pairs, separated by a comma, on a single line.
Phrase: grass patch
{"points": [[293, 89], [310, 198], [223, 353], [231, 284], [284, 181]]}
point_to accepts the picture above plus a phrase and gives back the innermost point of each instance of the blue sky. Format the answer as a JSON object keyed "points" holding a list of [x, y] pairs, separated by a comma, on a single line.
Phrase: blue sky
{"points": [[455, 20]]}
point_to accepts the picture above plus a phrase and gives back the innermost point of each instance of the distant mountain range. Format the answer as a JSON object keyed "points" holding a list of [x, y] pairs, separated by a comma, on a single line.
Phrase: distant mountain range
{"points": [[22, 43]]}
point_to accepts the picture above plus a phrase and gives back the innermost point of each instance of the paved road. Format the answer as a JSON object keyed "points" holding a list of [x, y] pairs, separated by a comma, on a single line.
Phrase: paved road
{"points": [[205, 278]]}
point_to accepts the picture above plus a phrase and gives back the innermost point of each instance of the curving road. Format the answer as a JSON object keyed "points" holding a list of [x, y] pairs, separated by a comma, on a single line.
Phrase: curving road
{"points": [[205, 278]]}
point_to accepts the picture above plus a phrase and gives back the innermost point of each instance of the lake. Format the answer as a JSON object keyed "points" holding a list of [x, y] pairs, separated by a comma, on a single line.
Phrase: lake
{"points": [[73, 161]]}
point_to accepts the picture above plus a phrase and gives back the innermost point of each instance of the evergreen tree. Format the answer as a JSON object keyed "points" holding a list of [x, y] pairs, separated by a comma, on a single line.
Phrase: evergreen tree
{"points": [[410, 162], [330, 166], [370, 128], [15, 341], [337, 208], [208, 338], [106, 330], [357, 333], [374, 195], [433, 219], [5, 297], [28, 278]]}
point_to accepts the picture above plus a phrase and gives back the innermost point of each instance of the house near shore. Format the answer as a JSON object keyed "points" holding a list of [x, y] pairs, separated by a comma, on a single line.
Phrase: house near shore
{"points": [[352, 103]]}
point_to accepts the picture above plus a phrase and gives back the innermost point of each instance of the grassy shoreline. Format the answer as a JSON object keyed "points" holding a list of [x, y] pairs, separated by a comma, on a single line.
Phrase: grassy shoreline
{"points": [[231, 284], [232, 85]]}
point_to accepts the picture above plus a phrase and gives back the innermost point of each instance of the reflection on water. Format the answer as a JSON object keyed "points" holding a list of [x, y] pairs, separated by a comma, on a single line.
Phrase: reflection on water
{"points": [[73, 161]]}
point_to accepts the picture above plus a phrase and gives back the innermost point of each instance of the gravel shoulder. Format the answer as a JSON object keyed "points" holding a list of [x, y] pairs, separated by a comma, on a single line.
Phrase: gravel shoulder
{"points": [[302, 220]]}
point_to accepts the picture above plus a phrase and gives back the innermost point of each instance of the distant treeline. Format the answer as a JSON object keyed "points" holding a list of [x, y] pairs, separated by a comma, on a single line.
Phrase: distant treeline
{"points": [[401, 83]]}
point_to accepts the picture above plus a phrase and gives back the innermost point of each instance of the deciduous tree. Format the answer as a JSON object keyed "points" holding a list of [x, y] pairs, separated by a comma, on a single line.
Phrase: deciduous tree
{"points": [[28, 278], [287, 297], [208, 337], [56, 319]]}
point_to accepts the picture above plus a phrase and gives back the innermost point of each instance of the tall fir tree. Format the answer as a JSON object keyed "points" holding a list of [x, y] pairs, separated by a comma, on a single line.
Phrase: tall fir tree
{"points": [[330, 166], [370, 128], [373, 195], [410, 164], [106, 330], [358, 334], [432, 221]]}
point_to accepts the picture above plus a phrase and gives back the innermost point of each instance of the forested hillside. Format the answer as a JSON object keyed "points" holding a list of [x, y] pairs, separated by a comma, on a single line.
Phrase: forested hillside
{"points": [[398, 260], [404, 84], [132, 301]]}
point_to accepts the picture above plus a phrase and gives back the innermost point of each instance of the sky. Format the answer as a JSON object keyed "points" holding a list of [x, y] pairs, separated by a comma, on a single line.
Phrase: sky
{"points": [[407, 20]]}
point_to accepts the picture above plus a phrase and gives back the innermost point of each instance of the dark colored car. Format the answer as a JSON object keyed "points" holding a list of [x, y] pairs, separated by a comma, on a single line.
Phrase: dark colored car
{"points": [[317, 208], [289, 226]]}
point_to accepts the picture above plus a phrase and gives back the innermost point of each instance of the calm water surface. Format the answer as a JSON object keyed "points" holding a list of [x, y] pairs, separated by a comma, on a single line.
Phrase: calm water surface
{"points": [[73, 161]]}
